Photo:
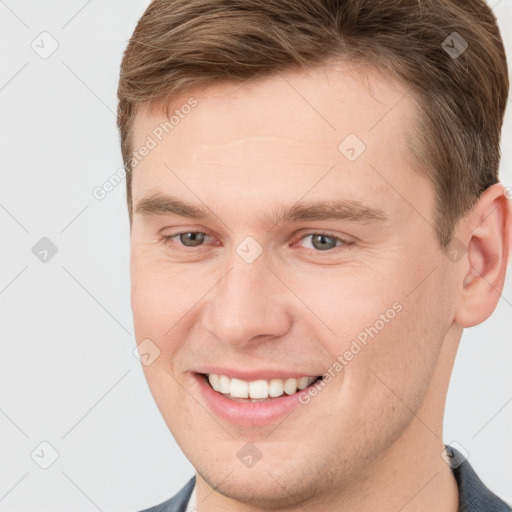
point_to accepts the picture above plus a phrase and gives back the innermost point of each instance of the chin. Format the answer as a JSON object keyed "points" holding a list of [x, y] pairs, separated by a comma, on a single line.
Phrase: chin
{"points": [[261, 489], [276, 482]]}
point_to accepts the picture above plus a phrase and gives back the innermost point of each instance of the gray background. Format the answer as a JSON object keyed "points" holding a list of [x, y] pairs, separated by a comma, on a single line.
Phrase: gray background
{"points": [[67, 372]]}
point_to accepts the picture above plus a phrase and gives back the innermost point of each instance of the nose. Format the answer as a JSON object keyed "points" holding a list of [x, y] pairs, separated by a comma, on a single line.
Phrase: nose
{"points": [[248, 304]]}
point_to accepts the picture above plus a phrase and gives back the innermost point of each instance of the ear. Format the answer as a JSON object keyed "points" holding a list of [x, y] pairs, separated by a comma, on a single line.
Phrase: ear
{"points": [[486, 231]]}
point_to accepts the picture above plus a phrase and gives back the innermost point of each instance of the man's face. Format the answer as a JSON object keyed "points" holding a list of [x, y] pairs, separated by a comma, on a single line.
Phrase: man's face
{"points": [[358, 290]]}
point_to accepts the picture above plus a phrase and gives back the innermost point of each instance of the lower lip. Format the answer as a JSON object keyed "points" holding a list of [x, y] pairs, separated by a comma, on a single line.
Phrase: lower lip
{"points": [[247, 413]]}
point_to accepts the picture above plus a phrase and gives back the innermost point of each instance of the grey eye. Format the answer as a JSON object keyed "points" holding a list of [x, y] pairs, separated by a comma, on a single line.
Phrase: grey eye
{"points": [[323, 242], [194, 237]]}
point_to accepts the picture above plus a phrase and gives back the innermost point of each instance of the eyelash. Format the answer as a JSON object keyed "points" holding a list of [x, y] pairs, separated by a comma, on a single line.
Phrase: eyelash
{"points": [[167, 240]]}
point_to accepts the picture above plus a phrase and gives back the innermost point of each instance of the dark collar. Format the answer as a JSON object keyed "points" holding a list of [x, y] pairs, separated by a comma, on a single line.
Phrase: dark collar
{"points": [[474, 496]]}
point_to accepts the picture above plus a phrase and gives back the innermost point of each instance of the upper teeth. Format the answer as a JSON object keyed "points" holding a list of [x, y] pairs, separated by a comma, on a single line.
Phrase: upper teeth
{"points": [[257, 388]]}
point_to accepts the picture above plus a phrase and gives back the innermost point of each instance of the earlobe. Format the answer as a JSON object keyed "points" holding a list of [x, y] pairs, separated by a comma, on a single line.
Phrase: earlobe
{"points": [[487, 232]]}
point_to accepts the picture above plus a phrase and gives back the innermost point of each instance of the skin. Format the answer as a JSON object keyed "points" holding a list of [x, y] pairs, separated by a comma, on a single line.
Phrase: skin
{"points": [[372, 438]]}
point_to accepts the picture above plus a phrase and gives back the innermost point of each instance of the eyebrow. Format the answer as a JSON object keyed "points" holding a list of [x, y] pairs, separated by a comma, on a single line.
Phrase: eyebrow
{"points": [[352, 210]]}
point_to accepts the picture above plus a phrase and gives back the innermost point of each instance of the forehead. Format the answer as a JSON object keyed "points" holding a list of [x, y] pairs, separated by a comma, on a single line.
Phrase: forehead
{"points": [[280, 136]]}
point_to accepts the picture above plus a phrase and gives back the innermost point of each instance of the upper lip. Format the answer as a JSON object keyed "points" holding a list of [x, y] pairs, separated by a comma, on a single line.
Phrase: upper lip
{"points": [[252, 375]]}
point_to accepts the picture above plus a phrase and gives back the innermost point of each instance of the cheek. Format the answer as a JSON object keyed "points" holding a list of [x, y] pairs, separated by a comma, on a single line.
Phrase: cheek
{"points": [[152, 300], [401, 360], [166, 302], [159, 296], [350, 303], [382, 321]]}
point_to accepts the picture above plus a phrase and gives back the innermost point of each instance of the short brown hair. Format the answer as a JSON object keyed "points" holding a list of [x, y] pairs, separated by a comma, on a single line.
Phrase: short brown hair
{"points": [[180, 44]]}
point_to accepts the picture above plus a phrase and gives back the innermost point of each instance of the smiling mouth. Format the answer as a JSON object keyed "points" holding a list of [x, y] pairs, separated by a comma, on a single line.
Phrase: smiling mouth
{"points": [[258, 390]]}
